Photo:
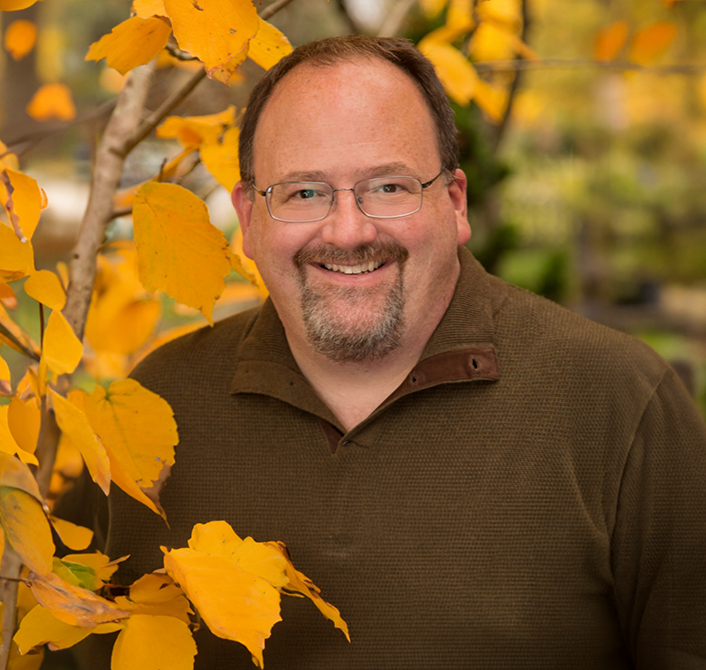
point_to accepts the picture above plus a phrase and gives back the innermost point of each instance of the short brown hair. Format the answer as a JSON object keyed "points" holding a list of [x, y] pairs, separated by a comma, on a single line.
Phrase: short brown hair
{"points": [[398, 51]]}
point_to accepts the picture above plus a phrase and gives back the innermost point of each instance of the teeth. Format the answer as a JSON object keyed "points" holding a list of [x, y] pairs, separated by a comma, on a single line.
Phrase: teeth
{"points": [[354, 269]]}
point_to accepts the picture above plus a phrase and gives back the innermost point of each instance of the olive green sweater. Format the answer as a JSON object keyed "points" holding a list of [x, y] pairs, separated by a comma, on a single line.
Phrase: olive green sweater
{"points": [[532, 496]]}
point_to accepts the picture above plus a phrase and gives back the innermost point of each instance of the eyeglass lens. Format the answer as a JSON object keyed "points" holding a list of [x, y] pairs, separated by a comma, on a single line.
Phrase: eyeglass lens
{"points": [[380, 197]]}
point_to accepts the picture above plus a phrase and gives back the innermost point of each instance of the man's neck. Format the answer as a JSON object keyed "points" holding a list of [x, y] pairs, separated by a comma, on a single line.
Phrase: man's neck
{"points": [[354, 390]]}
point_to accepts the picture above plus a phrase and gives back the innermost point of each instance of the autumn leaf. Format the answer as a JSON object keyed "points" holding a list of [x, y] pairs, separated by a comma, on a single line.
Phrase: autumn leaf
{"points": [[102, 565], [27, 528], [215, 31], [72, 604], [40, 626], [20, 37], [269, 46], [17, 333], [21, 198], [23, 419], [136, 426], [457, 75], [192, 131], [156, 595], [7, 158], [651, 42], [8, 444], [52, 101], [77, 574], [432, 8], [73, 536], [609, 41], [122, 315], [74, 423], [133, 42], [179, 250], [460, 15], [8, 298], [154, 643], [220, 156], [44, 286], [17, 475], [62, 349], [234, 604], [5, 386], [491, 99], [146, 8], [14, 5], [16, 257]]}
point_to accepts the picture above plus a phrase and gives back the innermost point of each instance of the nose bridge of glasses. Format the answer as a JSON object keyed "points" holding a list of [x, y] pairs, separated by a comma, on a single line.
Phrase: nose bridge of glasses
{"points": [[357, 196]]}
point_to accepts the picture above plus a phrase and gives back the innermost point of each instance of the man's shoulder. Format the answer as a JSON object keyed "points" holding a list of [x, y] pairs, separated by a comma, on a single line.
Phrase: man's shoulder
{"points": [[544, 330]]}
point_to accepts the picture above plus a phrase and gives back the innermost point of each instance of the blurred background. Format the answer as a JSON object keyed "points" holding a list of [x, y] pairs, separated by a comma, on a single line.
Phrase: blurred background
{"points": [[586, 153]]}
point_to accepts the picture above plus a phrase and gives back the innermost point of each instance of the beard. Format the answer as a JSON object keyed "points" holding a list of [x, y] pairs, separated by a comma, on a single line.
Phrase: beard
{"points": [[349, 325]]}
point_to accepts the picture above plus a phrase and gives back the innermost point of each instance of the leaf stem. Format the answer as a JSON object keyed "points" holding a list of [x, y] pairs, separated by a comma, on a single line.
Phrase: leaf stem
{"points": [[20, 347], [41, 325]]}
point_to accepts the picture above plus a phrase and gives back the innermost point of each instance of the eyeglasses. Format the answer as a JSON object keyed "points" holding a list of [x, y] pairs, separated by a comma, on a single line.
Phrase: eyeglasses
{"points": [[378, 198]]}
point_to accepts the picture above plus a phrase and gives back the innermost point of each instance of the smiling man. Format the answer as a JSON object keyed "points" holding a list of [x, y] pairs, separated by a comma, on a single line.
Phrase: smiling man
{"points": [[475, 476]]}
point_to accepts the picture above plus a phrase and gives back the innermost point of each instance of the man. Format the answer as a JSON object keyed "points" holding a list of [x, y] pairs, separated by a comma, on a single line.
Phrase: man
{"points": [[474, 476]]}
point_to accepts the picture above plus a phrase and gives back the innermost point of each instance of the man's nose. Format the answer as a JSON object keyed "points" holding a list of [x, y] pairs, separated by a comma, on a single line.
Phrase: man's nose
{"points": [[346, 225]]}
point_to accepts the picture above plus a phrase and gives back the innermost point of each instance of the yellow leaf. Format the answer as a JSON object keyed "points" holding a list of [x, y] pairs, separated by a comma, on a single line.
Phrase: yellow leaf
{"points": [[156, 595], [44, 286], [52, 101], [215, 31], [20, 38], [5, 386], [491, 43], [24, 418], [22, 202], [228, 74], [30, 661], [136, 425], [221, 158], [432, 8], [40, 626], [506, 13], [14, 5], [8, 445], [62, 349], [72, 604], [16, 257], [300, 583], [192, 131], [17, 475], [8, 159], [179, 250], [154, 643], [133, 42], [244, 265], [73, 536], [235, 604], [99, 562], [122, 479], [460, 14], [163, 338], [7, 296], [27, 529], [10, 325], [457, 75], [74, 423], [146, 8], [269, 46], [651, 42], [122, 315], [492, 100], [609, 41]]}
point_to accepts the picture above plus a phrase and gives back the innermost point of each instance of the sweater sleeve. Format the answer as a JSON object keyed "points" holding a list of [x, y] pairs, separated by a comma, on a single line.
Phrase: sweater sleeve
{"points": [[659, 540]]}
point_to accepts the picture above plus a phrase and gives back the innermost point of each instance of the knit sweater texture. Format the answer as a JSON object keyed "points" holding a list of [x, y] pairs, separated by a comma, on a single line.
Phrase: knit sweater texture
{"points": [[532, 496]]}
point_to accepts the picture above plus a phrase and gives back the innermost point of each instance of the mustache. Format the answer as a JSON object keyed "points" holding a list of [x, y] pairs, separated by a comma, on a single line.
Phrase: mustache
{"points": [[377, 251]]}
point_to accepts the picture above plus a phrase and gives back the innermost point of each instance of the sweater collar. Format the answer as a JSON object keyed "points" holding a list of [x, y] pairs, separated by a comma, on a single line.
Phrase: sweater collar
{"points": [[460, 349]]}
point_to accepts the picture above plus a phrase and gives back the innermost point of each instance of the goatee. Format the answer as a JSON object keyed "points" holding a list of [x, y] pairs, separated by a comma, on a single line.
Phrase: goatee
{"points": [[378, 324]]}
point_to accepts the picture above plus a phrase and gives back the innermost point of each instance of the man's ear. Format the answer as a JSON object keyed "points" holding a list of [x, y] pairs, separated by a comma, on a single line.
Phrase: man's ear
{"points": [[457, 193], [243, 206]]}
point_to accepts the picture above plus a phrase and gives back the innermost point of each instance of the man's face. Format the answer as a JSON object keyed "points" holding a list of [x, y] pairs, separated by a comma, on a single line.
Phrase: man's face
{"points": [[352, 287]]}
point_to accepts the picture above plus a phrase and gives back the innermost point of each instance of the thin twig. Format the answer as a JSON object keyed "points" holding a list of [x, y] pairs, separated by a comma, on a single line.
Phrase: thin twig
{"points": [[569, 63], [41, 325], [272, 9], [20, 346], [392, 25]]}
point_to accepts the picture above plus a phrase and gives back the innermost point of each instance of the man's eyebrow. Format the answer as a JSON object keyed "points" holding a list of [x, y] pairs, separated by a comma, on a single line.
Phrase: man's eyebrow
{"points": [[388, 169]]}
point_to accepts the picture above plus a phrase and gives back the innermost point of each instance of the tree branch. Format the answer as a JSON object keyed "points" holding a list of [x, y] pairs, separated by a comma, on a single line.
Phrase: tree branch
{"points": [[107, 172], [272, 9], [11, 565], [559, 63], [21, 347], [392, 25]]}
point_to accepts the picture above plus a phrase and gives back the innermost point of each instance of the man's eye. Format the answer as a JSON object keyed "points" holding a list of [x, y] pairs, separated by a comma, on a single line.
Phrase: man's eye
{"points": [[304, 194], [390, 188]]}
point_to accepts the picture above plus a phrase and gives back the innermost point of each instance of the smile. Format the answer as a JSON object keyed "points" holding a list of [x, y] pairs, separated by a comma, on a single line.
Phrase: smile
{"points": [[354, 269]]}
